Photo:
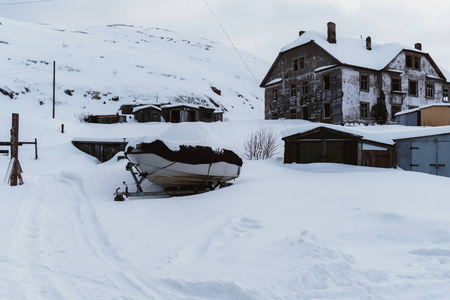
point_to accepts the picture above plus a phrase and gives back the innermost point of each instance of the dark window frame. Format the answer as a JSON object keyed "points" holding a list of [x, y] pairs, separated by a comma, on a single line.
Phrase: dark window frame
{"points": [[327, 110], [274, 95], [414, 93], [305, 112], [395, 108], [364, 108], [305, 88], [301, 63], [396, 86], [445, 93], [295, 64], [413, 61], [364, 82], [326, 82], [429, 89], [293, 90]]}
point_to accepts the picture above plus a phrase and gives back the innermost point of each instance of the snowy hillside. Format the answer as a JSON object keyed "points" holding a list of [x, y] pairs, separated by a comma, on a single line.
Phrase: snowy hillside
{"points": [[98, 69]]}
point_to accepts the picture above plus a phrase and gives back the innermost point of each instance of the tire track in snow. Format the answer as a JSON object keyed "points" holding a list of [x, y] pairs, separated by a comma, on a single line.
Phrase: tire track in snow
{"points": [[62, 252]]}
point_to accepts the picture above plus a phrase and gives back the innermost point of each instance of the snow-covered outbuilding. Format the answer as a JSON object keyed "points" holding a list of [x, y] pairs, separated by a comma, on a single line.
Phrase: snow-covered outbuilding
{"points": [[147, 113], [425, 150], [329, 79], [437, 114], [336, 144]]}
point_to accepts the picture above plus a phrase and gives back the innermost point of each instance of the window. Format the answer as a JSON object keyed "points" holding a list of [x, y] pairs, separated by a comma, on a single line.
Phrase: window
{"points": [[413, 62], [364, 82], [302, 62], [412, 88], [305, 111], [305, 88], [327, 110], [274, 95], [293, 90], [445, 94], [326, 82], [364, 107], [293, 114], [395, 109], [429, 91], [396, 84], [295, 64]]}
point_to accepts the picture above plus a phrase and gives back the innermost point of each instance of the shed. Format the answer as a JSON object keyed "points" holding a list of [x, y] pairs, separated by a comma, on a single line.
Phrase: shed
{"points": [[437, 114], [106, 119], [336, 144], [147, 113], [426, 150], [206, 114], [180, 112], [218, 116]]}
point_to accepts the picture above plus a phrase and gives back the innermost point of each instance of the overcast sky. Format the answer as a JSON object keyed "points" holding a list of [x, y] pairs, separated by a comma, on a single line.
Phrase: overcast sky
{"points": [[259, 26]]}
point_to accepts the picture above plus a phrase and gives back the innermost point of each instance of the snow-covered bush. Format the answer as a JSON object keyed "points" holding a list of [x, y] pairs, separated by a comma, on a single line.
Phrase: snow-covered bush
{"points": [[262, 143]]}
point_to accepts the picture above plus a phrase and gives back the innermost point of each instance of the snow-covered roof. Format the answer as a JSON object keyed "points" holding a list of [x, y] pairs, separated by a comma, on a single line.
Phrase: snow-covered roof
{"points": [[276, 80], [352, 51], [137, 108], [185, 105], [408, 111], [368, 136]]}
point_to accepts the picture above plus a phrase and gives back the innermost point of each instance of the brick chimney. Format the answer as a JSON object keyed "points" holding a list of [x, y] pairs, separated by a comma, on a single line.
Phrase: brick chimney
{"points": [[368, 43], [301, 32], [331, 33], [418, 46]]}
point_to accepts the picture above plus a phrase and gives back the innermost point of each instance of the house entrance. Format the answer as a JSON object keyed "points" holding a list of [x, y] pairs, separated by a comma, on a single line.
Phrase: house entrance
{"points": [[175, 116]]}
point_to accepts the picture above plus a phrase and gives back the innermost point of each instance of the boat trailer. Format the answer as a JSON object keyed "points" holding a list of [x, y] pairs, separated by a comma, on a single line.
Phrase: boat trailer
{"points": [[139, 177]]}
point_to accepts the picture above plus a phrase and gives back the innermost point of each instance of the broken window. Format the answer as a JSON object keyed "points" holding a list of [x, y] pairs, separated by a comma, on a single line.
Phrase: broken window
{"points": [[327, 110], [445, 94], [396, 84], [412, 88], [395, 109], [364, 82], [293, 90], [305, 88], [295, 64], [429, 91], [364, 109], [326, 82]]}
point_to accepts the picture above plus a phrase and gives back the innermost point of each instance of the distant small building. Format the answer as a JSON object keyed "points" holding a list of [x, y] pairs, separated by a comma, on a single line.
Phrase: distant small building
{"points": [[127, 109], [147, 113], [335, 144], [437, 114], [106, 119]]}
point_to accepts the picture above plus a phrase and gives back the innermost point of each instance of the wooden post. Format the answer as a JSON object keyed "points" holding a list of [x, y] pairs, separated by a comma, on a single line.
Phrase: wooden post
{"points": [[15, 171], [54, 80], [62, 128], [35, 147]]}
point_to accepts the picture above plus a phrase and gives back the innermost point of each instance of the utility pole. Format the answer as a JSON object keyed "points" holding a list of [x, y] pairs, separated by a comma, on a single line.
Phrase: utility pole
{"points": [[54, 84]]}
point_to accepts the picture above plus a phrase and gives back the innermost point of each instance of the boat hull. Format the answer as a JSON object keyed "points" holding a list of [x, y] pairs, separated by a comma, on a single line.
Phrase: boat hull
{"points": [[173, 174]]}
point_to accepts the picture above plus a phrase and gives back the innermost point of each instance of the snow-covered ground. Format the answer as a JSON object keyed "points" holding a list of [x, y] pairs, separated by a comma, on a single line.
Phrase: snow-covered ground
{"points": [[316, 231]]}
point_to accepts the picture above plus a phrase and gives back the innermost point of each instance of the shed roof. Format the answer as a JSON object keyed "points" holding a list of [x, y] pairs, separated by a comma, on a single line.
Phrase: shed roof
{"points": [[365, 136], [137, 108], [408, 111]]}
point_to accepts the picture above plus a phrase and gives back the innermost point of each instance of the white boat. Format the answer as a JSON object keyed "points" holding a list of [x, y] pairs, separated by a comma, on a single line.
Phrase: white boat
{"points": [[189, 167]]}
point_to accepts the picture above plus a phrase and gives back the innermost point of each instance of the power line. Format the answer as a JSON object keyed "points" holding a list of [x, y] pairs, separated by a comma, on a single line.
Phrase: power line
{"points": [[223, 29], [26, 2]]}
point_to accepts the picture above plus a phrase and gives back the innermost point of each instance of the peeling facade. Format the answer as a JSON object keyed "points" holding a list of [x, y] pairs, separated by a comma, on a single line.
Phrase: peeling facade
{"points": [[308, 81]]}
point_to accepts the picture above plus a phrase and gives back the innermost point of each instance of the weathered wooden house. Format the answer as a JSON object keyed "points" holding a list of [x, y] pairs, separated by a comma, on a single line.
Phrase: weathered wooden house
{"points": [[336, 144], [428, 115], [330, 79], [147, 113], [184, 112]]}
